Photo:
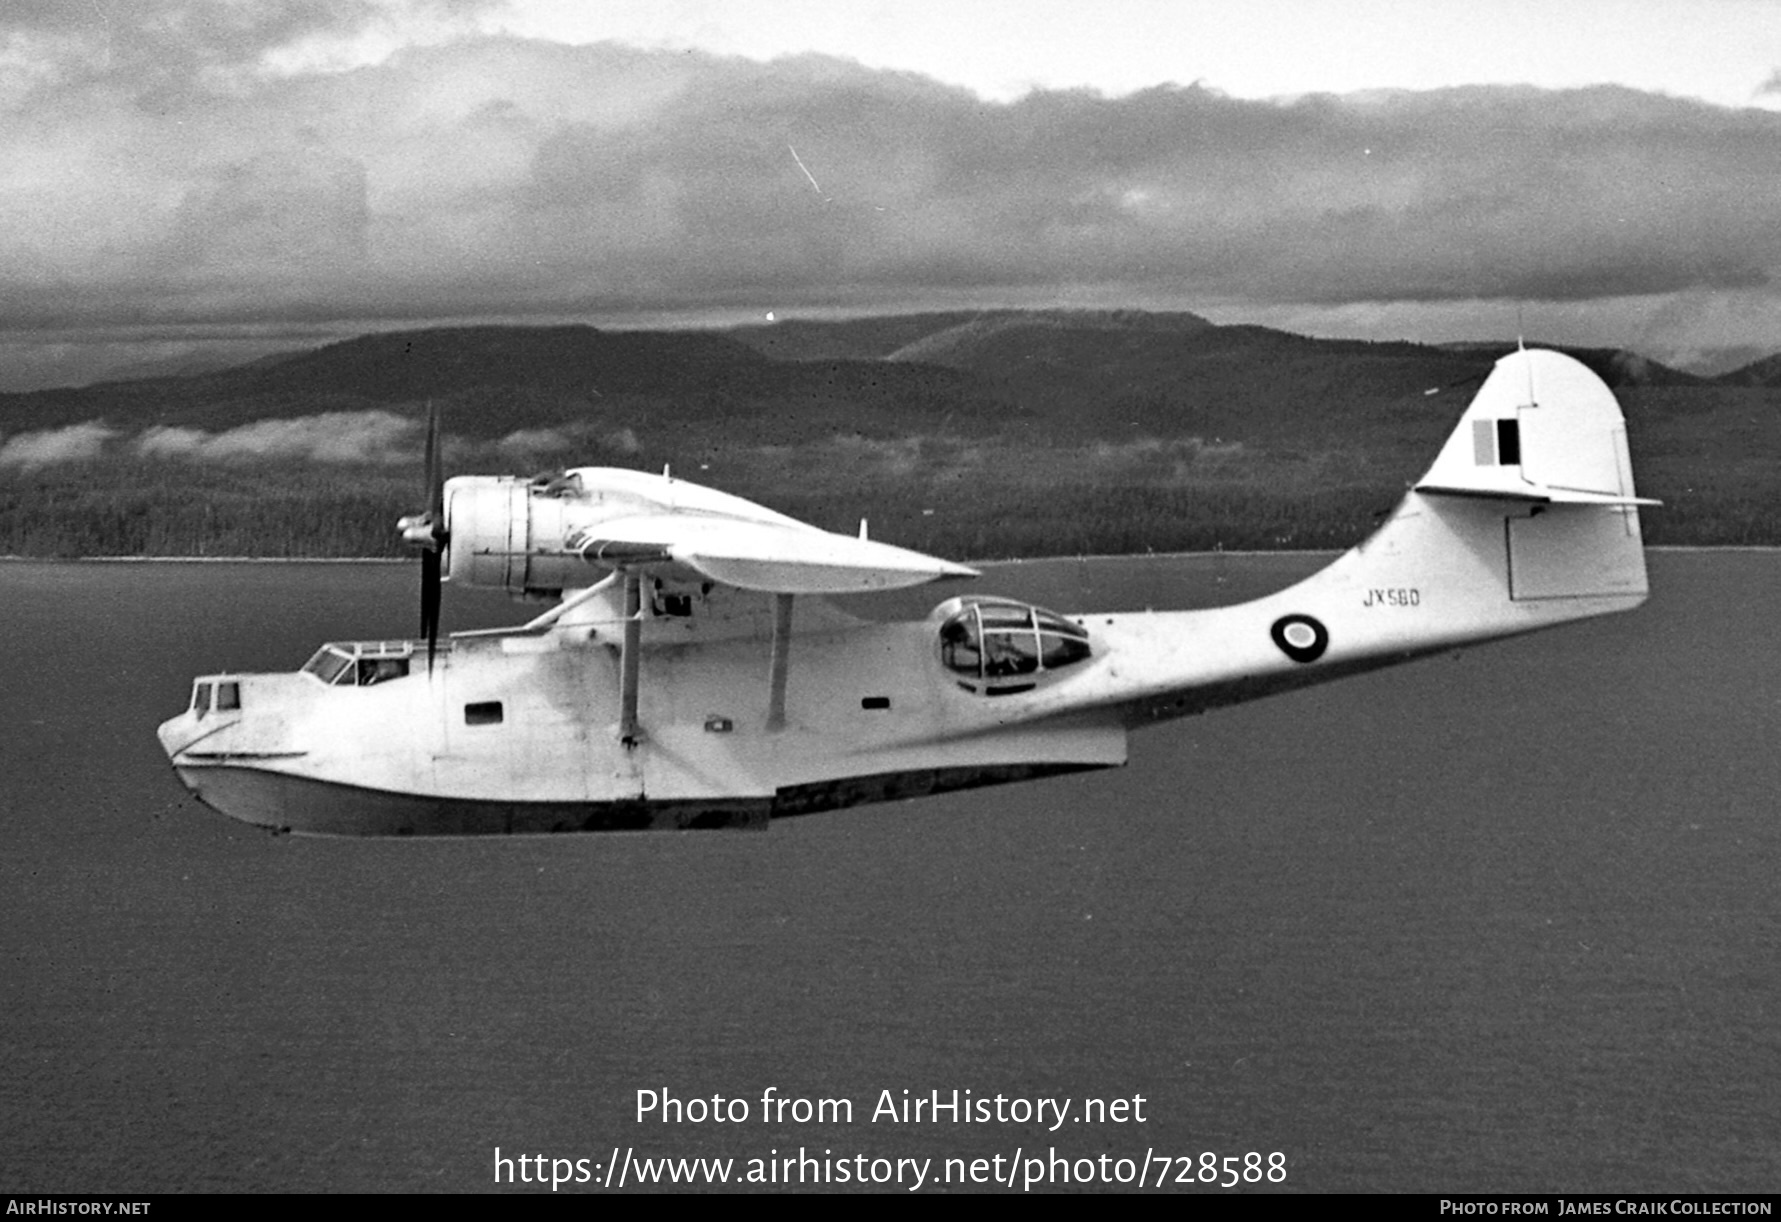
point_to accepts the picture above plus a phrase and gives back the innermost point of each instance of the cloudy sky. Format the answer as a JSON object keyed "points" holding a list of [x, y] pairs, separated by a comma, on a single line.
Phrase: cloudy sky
{"points": [[205, 177]]}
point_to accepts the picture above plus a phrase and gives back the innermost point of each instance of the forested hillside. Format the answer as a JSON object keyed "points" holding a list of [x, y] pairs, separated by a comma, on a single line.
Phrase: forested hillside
{"points": [[973, 435]]}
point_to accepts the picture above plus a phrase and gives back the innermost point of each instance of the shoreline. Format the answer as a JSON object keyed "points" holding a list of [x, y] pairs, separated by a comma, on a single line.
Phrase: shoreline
{"points": [[1668, 547]]}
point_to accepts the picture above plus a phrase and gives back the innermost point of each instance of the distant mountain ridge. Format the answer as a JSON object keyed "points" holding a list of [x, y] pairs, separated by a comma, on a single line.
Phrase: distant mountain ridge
{"points": [[495, 380], [1115, 373], [1766, 372], [1071, 375], [1047, 359], [980, 433]]}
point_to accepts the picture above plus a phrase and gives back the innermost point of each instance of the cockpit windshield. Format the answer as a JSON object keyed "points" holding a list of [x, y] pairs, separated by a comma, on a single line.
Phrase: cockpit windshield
{"points": [[360, 663], [1007, 646], [327, 664]]}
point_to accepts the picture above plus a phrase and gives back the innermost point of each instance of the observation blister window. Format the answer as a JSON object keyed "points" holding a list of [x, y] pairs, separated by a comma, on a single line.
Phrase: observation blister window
{"points": [[1005, 644]]}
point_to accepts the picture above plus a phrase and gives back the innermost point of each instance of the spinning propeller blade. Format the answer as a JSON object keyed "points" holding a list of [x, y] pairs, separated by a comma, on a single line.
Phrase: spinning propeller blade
{"points": [[430, 603], [427, 532], [430, 566], [435, 470]]}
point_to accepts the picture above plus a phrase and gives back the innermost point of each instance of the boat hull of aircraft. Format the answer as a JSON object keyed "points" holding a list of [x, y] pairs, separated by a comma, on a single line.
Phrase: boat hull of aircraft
{"points": [[519, 734], [683, 688], [280, 802]]}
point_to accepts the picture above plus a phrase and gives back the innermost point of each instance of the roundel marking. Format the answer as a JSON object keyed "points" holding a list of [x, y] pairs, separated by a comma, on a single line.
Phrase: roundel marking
{"points": [[1300, 637]]}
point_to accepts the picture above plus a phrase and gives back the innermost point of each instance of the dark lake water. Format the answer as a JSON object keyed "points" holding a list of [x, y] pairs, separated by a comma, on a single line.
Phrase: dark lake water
{"points": [[1507, 921]]}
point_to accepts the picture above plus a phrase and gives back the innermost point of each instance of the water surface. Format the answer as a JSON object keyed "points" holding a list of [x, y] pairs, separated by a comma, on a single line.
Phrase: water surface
{"points": [[1502, 921]]}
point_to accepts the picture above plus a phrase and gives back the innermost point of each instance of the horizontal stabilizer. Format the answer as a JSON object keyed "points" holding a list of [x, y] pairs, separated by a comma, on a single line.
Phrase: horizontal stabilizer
{"points": [[1537, 495]]}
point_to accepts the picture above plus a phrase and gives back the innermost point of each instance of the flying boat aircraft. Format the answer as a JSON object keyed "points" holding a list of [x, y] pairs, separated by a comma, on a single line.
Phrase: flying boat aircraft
{"points": [[701, 667]]}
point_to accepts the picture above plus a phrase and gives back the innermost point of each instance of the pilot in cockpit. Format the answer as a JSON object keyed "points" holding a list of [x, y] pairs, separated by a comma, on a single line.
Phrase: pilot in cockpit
{"points": [[379, 670]]}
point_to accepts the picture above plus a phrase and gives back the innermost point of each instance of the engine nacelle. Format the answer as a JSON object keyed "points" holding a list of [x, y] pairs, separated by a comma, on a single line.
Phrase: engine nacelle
{"points": [[507, 532]]}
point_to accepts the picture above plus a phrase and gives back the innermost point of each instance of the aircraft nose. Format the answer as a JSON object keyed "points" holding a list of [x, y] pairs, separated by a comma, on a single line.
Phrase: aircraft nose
{"points": [[178, 733]]}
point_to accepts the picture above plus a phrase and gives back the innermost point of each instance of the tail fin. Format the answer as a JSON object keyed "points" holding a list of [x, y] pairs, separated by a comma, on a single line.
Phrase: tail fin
{"points": [[1546, 432], [1543, 429], [1528, 518]]}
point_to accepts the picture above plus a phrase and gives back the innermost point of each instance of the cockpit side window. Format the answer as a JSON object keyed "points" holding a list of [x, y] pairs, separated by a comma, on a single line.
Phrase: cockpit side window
{"points": [[381, 670], [201, 699]]}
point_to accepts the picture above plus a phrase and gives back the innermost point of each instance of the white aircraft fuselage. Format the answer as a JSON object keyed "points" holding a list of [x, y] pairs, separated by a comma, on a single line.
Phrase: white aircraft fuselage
{"points": [[744, 705]]}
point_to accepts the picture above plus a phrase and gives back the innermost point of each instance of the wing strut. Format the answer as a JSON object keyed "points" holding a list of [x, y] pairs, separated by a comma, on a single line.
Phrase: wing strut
{"points": [[782, 645], [629, 657]]}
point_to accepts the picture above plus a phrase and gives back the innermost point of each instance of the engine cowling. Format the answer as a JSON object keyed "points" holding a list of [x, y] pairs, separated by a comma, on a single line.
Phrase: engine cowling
{"points": [[507, 532]]}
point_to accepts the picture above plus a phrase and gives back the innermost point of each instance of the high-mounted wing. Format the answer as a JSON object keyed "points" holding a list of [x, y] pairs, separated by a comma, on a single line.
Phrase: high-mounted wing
{"points": [[770, 557], [547, 535], [543, 535]]}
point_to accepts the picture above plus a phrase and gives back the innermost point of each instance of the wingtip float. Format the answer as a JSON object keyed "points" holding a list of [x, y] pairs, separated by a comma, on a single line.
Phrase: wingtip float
{"points": [[686, 679]]}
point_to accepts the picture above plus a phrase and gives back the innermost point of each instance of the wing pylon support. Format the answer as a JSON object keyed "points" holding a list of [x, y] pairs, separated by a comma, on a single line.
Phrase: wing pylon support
{"points": [[781, 664], [630, 660]]}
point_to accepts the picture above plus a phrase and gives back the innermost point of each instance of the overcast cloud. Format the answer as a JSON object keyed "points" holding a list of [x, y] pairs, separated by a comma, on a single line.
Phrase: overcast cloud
{"points": [[155, 175]]}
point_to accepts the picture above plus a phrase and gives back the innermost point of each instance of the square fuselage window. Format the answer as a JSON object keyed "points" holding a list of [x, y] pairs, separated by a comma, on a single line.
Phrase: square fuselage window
{"points": [[483, 713]]}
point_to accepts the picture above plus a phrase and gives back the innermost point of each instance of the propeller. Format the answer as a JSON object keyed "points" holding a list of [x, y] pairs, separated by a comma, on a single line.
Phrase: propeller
{"points": [[427, 531]]}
